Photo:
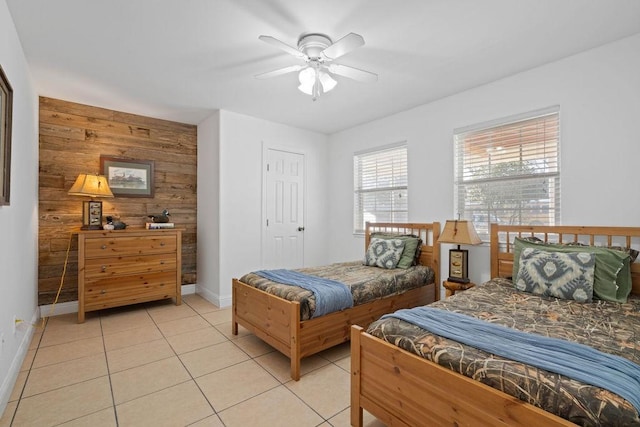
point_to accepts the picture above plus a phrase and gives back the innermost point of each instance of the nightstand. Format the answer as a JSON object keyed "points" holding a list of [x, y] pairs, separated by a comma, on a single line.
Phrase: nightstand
{"points": [[452, 287]]}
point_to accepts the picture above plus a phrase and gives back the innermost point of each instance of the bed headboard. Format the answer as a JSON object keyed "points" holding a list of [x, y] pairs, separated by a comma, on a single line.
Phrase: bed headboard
{"points": [[502, 238], [428, 232]]}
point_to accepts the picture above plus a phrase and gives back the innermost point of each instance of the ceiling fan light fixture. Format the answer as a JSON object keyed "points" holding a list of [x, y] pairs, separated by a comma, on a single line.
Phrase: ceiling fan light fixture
{"points": [[307, 79], [311, 79], [327, 81]]}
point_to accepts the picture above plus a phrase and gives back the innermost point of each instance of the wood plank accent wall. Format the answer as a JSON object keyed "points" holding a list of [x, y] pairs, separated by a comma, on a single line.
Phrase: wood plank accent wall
{"points": [[72, 138]]}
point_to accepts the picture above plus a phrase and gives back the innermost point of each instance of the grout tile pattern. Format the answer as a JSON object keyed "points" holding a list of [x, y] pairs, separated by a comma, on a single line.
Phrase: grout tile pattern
{"points": [[159, 364]]}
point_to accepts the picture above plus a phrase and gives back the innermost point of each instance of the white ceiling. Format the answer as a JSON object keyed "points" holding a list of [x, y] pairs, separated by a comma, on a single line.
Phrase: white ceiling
{"points": [[181, 59]]}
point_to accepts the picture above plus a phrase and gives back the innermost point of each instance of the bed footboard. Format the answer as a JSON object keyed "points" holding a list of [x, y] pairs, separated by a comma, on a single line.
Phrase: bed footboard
{"points": [[277, 321], [400, 388], [274, 320]]}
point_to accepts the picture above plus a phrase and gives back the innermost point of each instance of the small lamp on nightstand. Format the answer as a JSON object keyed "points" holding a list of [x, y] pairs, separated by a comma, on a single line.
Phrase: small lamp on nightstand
{"points": [[91, 186], [459, 232]]}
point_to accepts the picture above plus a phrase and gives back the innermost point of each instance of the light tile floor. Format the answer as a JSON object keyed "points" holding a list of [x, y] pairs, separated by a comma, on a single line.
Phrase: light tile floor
{"points": [[159, 364]]}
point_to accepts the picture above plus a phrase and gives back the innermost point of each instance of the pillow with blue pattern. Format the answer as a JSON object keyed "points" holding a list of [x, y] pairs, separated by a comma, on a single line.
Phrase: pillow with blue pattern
{"points": [[384, 253], [555, 274]]}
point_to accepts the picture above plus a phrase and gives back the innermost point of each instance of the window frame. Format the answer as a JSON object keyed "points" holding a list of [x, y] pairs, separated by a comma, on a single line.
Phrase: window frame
{"points": [[358, 211], [518, 180]]}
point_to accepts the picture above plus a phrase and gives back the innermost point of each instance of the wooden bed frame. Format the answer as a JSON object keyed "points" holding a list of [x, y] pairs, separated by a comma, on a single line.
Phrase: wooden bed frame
{"points": [[277, 321], [402, 389]]}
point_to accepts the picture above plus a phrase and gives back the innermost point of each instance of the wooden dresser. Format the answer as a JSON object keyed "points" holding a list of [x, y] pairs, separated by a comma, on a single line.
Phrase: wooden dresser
{"points": [[122, 267]]}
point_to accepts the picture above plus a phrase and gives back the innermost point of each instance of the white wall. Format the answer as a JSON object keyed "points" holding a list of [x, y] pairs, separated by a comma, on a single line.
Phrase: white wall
{"points": [[208, 261], [19, 220], [599, 96], [241, 140]]}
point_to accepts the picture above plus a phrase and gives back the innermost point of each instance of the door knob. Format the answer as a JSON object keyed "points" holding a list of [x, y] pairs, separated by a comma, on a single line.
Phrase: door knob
{"points": [[300, 228]]}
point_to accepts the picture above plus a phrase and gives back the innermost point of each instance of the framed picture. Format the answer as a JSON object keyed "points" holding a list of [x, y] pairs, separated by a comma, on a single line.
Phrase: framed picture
{"points": [[6, 107], [127, 177]]}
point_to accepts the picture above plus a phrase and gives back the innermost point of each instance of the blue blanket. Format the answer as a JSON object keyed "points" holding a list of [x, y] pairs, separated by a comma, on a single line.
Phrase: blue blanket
{"points": [[573, 360], [331, 295]]}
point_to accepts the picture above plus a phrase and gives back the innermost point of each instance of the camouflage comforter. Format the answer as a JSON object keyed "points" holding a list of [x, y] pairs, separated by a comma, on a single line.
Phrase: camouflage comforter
{"points": [[610, 327], [366, 283]]}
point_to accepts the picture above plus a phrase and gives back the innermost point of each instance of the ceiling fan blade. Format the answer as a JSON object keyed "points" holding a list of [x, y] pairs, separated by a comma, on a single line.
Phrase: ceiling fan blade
{"points": [[343, 46], [279, 72], [353, 73], [281, 45]]}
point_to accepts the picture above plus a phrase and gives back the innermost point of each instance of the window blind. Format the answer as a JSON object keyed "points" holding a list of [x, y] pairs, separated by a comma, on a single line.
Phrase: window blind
{"points": [[380, 186], [509, 173]]}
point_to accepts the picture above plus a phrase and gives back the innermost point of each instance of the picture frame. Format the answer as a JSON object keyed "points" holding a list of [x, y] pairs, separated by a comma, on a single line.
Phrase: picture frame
{"points": [[128, 177], [6, 112]]}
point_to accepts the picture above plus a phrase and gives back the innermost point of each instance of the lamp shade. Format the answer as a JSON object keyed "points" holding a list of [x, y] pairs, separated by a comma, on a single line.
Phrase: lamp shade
{"points": [[91, 185], [459, 232]]}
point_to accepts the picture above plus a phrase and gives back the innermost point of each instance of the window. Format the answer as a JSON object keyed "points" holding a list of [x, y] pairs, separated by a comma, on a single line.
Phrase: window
{"points": [[508, 172], [380, 186]]}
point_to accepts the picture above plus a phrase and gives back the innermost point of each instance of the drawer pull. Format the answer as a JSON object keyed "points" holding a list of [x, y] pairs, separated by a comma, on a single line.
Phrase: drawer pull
{"points": [[103, 247], [104, 268], [103, 292], [162, 262], [161, 243]]}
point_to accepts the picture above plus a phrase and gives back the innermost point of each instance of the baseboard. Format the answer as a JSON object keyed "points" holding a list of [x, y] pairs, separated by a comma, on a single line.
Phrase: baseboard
{"points": [[213, 298], [12, 375], [188, 289], [59, 308]]}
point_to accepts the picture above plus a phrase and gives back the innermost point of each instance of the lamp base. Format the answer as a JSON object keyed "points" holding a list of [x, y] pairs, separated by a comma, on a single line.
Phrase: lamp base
{"points": [[458, 265], [91, 215], [91, 227], [459, 279]]}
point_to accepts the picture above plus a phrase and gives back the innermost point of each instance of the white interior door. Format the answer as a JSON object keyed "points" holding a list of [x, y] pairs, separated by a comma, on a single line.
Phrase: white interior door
{"points": [[283, 245]]}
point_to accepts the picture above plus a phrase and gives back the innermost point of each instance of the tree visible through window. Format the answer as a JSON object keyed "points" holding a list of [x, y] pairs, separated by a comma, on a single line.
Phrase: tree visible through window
{"points": [[509, 173], [380, 184]]}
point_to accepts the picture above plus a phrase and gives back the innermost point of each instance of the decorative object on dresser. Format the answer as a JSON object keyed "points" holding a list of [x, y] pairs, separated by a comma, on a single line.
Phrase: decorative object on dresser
{"points": [[127, 177], [116, 223], [6, 107], [89, 185], [161, 218], [459, 232], [123, 267], [159, 225], [160, 221]]}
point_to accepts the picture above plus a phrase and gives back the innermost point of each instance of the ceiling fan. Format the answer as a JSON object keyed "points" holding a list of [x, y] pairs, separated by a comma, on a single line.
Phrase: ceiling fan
{"points": [[318, 53]]}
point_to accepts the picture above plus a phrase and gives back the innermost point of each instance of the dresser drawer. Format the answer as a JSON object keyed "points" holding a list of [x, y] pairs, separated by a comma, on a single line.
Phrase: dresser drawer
{"points": [[129, 245], [114, 266], [104, 293]]}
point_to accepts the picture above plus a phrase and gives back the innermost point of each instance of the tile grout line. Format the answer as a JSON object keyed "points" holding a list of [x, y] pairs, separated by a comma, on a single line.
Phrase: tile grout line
{"points": [[227, 339], [106, 358], [182, 362], [15, 411]]}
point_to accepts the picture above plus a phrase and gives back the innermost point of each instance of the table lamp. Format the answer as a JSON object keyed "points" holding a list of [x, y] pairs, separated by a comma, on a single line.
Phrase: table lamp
{"points": [[92, 186], [459, 232]]}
